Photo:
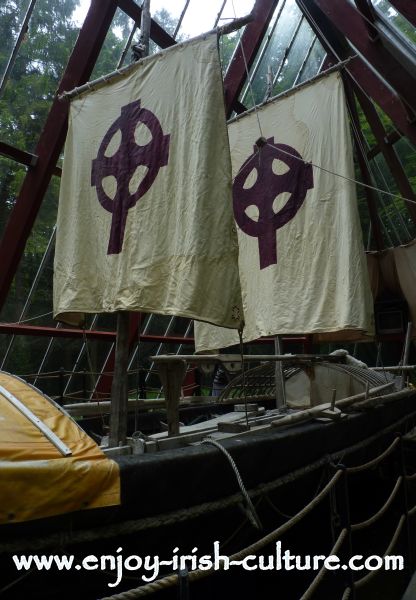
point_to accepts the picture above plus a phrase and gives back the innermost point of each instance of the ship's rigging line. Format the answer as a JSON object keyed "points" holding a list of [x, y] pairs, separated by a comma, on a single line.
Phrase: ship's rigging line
{"points": [[371, 187]]}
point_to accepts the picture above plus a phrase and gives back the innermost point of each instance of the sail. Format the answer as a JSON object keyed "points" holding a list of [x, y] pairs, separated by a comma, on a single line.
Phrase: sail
{"points": [[301, 258], [145, 217]]}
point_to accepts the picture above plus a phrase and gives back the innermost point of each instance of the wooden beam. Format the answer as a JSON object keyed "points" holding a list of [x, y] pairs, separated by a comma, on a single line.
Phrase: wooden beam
{"points": [[103, 385], [50, 144], [119, 393]]}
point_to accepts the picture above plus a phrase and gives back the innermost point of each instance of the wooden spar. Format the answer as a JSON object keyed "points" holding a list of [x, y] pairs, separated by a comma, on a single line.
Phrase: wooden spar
{"points": [[406, 351], [171, 375], [235, 358], [119, 389], [90, 85], [145, 27], [314, 412], [119, 392]]}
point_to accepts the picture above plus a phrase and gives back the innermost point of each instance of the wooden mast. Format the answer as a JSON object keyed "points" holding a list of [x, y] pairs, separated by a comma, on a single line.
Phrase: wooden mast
{"points": [[119, 388]]}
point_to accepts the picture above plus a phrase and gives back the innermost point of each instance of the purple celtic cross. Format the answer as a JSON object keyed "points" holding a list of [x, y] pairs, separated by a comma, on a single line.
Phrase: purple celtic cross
{"points": [[268, 185], [123, 164]]}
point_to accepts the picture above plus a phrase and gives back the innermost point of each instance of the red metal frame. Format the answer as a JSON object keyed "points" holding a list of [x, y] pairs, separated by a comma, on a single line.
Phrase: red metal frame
{"points": [[346, 18], [24, 158], [20, 156], [24, 213], [94, 334], [388, 151], [362, 74], [365, 173], [250, 41], [157, 33], [407, 8]]}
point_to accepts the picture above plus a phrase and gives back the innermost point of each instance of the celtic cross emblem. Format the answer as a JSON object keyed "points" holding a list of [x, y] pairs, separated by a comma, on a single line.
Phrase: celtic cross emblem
{"points": [[268, 185], [123, 164]]}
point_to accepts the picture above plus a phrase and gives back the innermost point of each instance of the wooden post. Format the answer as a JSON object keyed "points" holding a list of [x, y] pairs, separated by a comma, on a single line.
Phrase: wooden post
{"points": [[145, 27], [279, 377], [119, 392], [171, 375], [406, 351], [119, 396]]}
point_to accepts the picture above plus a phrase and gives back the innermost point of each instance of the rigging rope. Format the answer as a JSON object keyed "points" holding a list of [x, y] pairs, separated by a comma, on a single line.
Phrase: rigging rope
{"points": [[382, 511], [170, 580], [252, 514], [322, 572]]}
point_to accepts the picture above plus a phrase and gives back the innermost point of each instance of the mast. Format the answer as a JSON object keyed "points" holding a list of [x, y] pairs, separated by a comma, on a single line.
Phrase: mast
{"points": [[119, 388]]}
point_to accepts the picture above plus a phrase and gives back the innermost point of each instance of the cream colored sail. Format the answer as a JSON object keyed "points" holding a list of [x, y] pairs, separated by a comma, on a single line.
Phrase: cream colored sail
{"points": [[145, 213], [301, 257]]}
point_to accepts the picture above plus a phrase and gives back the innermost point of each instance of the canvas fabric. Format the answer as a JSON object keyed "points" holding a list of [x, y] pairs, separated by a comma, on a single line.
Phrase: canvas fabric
{"points": [[36, 481], [393, 273], [157, 132], [301, 258]]}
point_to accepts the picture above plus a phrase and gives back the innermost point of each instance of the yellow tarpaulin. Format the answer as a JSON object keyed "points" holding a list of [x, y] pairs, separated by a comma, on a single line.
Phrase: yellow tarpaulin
{"points": [[36, 481]]}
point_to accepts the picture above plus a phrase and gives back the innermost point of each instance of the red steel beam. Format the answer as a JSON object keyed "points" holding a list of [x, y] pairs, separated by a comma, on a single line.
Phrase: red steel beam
{"points": [[390, 138], [366, 9], [157, 33], [365, 173], [20, 156], [350, 23], [407, 8], [250, 41], [77, 72], [388, 151], [94, 334], [24, 158], [110, 336], [362, 74]]}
